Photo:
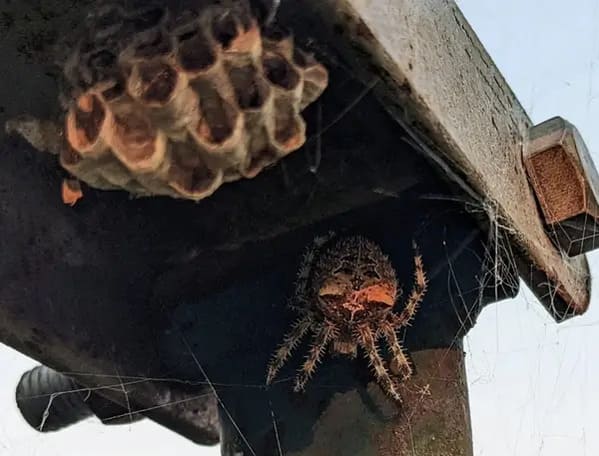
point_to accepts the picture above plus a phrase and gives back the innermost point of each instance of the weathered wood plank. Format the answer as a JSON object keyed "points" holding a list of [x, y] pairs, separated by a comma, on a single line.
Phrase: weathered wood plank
{"points": [[437, 80]]}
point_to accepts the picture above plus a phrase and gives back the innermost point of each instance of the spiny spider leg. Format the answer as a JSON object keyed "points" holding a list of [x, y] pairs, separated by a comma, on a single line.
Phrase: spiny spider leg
{"points": [[416, 295], [399, 357], [321, 339], [298, 304], [366, 340], [301, 283], [292, 338]]}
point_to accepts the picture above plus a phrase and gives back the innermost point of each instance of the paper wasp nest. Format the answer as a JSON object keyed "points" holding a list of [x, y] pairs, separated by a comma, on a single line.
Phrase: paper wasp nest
{"points": [[178, 106]]}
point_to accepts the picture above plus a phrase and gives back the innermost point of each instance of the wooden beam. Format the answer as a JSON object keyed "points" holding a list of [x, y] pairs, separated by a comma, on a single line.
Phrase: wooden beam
{"points": [[436, 79]]}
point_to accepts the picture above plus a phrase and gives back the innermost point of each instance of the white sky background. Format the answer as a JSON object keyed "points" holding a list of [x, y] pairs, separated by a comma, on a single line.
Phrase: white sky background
{"points": [[534, 385]]}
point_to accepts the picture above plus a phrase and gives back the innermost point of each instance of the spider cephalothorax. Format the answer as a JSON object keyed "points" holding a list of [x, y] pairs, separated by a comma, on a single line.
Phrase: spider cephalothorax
{"points": [[345, 295]]}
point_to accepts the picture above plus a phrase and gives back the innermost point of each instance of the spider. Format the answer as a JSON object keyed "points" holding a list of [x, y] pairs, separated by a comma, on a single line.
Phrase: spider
{"points": [[345, 295]]}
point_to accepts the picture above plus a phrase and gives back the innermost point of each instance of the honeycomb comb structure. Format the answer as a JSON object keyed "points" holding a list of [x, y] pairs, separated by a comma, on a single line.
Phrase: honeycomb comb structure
{"points": [[178, 106]]}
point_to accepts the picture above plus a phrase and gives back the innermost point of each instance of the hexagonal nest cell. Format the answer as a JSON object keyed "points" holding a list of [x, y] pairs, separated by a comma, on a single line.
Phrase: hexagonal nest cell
{"points": [[160, 105]]}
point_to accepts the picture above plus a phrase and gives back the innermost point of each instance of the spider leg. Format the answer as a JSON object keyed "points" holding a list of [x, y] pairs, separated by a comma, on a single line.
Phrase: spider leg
{"points": [[303, 276], [399, 362], [321, 339], [366, 340], [291, 340], [416, 295]]}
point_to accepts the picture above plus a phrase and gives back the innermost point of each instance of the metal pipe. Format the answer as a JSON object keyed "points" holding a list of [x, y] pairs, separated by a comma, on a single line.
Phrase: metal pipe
{"points": [[50, 401]]}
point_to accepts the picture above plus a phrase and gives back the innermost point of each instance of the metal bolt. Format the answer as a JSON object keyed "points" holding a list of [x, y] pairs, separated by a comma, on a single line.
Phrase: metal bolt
{"points": [[566, 184]]}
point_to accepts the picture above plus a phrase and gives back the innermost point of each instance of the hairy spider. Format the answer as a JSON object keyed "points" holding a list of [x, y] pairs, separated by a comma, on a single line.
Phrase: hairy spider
{"points": [[345, 295]]}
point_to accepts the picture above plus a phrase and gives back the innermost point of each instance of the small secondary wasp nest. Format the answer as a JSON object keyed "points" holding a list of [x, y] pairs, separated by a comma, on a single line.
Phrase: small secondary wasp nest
{"points": [[177, 106]]}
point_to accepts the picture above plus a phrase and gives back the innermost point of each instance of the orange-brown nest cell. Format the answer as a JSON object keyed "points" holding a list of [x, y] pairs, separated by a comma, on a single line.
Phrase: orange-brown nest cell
{"points": [[176, 106]]}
